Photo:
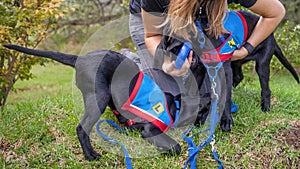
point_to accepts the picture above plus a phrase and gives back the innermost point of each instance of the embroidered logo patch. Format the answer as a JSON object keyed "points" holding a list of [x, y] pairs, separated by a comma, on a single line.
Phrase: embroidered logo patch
{"points": [[231, 43], [158, 108]]}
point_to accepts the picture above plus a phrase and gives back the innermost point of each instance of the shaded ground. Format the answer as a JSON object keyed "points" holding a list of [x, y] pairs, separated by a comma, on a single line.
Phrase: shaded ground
{"points": [[277, 150], [264, 156], [291, 136]]}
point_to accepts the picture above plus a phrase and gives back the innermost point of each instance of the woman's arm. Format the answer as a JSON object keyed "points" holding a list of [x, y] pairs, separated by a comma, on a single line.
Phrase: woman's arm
{"points": [[153, 33], [153, 36], [271, 12]]}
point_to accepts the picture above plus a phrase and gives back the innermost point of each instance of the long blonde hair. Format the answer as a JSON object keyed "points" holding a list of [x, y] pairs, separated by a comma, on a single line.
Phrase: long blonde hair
{"points": [[181, 16]]}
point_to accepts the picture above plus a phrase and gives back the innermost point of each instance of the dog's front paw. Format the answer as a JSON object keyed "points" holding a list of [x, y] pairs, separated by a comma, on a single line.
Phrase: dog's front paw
{"points": [[226, 123], [265, 106], [174, 150], [92, 156]]}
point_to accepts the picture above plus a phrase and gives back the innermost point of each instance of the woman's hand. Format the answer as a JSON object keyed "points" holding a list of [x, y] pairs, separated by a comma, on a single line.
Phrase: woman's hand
{"points": [[169, 66], [239, 54]]}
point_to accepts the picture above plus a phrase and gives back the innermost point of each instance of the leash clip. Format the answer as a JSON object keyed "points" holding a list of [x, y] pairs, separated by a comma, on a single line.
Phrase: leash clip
{"points": [[213, 88], [212, 143]]}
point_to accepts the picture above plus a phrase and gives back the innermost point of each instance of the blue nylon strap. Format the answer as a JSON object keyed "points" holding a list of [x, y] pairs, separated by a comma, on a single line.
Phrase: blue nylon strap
{"points": [[215, 68], [177, 104], [217, 159], [126, 155], [201, 34], [234, 107], [214, 116], [193, 150], [213, 122]]}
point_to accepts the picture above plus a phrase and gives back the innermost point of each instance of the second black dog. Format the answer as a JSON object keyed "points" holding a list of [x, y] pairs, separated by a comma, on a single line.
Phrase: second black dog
{"points": [[262, 56]]}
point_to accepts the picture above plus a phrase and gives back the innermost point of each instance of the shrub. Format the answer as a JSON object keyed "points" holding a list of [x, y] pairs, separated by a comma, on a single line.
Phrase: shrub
{"points": [[26, 23]]}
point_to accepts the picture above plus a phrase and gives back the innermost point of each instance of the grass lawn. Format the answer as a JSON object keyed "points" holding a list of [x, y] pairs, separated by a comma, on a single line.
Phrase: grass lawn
{"points": [[38, 129], [52, 80]]}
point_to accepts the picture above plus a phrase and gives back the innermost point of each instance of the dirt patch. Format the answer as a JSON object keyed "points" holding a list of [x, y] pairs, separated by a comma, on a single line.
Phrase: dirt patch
{"points": [[291, 136], [7, 150], [272, 152]]}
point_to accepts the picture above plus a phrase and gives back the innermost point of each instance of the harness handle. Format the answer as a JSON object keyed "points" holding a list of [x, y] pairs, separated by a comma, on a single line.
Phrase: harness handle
{"points": [[183, 54]]}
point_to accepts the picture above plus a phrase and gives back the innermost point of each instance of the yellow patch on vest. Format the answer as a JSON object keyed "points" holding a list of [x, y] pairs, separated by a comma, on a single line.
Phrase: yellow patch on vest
{"points": [[231, 43], [158, 108]]}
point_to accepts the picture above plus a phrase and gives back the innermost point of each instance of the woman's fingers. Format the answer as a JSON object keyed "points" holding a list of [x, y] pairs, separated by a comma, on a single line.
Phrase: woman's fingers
{"points": [[169, 66], [239, 54]]}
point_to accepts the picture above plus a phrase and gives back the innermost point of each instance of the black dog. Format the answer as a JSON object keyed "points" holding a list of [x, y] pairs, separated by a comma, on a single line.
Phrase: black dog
{"points": [[262, 56], [107, 78]]}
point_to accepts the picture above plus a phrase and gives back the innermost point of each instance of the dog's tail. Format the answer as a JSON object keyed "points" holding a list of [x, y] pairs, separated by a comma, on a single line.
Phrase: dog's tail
{"points": [[66, 59], [278, 53]]}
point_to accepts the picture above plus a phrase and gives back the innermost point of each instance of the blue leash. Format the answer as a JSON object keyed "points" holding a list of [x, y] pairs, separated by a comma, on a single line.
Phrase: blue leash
{"points": [[126, 155], [214, 115], [192, 148]]}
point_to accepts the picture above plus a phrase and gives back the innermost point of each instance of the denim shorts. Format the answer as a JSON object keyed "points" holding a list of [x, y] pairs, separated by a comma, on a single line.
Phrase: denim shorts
{"points": [[136, 29]]}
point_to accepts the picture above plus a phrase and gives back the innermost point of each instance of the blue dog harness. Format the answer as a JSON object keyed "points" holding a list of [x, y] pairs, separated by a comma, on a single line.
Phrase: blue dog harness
{"points": [[236, 24], [148, 102]]}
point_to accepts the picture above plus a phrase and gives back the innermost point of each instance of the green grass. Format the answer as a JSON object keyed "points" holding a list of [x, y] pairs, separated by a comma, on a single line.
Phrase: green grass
{"points": [[49, 80], [38, 129]]}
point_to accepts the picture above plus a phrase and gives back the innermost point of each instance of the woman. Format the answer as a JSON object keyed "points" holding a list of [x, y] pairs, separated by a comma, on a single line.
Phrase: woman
{"points": [[155, 13]]}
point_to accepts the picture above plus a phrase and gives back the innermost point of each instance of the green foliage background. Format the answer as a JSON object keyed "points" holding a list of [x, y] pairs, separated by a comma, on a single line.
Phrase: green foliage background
{"points": [[287, 36], [25, 23]]}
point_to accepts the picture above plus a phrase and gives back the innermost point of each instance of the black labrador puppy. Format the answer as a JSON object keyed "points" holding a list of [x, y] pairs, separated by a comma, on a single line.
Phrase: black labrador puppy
{"points": [[108, 78], [262, 56]]}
